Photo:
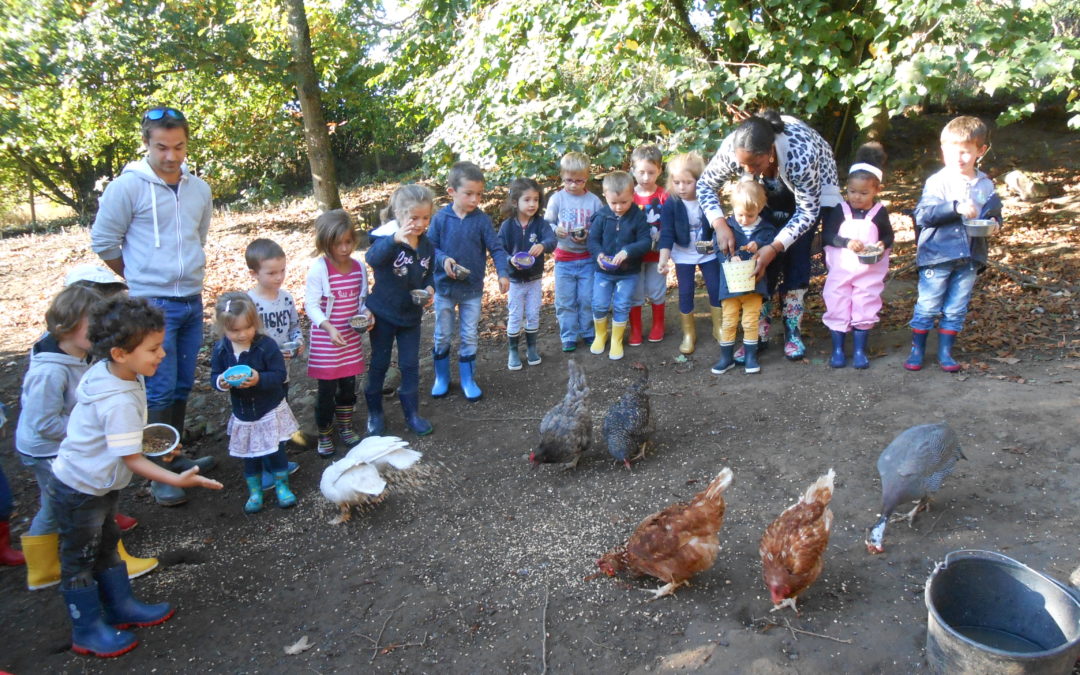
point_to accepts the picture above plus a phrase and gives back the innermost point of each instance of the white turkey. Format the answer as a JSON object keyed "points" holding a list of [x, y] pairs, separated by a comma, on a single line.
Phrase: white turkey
{"points": [[360, 477]]}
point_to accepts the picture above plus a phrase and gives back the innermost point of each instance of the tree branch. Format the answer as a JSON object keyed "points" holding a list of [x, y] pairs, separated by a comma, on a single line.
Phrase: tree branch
{"points": [[682, 14], [56, 194]]}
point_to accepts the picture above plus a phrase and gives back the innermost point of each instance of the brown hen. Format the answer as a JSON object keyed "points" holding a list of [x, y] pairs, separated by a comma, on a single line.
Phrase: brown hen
{"points": [[674, 544], [793, 547]]}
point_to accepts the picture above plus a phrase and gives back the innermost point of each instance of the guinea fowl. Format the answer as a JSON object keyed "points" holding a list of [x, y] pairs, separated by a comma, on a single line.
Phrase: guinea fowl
{"points": [[566, 430], [912, 469], [674, 544], [628, 422], [361, 476]]}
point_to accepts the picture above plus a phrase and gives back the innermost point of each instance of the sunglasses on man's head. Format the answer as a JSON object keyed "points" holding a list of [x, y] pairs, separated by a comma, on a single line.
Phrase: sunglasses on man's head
{"points": [[157, 113]]}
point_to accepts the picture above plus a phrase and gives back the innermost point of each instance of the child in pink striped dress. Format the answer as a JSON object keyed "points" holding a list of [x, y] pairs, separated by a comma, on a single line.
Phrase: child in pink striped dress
{"points": [[336, 287]]}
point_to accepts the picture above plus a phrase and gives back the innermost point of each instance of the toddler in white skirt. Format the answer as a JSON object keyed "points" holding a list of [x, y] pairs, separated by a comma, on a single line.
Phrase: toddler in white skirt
{"points": [[249, 365]]}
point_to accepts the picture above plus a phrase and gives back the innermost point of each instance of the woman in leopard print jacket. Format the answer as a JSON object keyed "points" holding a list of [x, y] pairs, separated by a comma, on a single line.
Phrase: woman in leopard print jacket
{"points": [[769, 146]]}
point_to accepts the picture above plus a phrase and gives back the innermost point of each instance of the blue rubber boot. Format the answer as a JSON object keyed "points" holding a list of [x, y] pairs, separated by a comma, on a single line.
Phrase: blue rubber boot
{"points": [[859, 359], [467, 371], [442, 374], [121, 608], [89, 632], [750, 364], [254, 503], [726, 362], [285, 496], [410, 405], [837, 360], [918, 349], [268, 475], [946, 340], [376, 422]]}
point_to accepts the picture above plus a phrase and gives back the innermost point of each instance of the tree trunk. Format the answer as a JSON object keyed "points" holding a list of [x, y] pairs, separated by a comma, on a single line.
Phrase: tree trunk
{"points": [[320, 157]]}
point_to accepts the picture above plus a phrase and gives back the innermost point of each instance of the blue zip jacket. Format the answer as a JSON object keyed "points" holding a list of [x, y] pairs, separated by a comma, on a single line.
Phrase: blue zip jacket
{"points": [[675, 225], [264, 356], [468, 241], [942, 235], [609, 234], [763, 234], [398, 270], [516, 239]]}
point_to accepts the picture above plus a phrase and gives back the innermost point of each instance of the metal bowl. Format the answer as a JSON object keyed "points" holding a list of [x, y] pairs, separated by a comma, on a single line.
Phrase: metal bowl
{"points": [[981, 227], [238, 374], [290, 348], [420, 296], [461, 273], [522, 260], [160, 439], [705, 247], [607, 264], [870, 255], [359, 322], [579, 233]]}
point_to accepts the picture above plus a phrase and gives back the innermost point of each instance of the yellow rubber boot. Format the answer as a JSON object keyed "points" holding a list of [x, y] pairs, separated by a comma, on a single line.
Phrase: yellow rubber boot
{"points": [[618, 328], [136, 567], [42, 552], [689, 334], [717, 314], [600, 325]]}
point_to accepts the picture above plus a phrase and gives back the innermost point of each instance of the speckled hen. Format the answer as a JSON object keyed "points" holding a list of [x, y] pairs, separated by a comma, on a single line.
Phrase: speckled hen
{"points": [[628, 422], [566, 430], [912, 469]]}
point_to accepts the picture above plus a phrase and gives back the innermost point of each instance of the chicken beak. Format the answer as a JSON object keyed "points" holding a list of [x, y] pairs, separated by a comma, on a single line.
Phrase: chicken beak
{"points": [[627, 463]]}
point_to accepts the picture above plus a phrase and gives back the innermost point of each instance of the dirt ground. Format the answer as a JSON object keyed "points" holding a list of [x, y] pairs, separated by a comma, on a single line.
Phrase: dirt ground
{"points": [[481, 566]]}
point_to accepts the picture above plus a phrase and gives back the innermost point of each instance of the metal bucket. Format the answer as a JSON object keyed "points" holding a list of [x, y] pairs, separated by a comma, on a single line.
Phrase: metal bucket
{"points": [[991, 614]]}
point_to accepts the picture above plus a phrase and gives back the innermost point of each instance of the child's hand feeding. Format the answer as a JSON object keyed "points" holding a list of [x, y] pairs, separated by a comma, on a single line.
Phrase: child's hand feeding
{"points": [[536, 250], [190, 478], [618, 258], [251, 381], [855, 246], [335, 335]]}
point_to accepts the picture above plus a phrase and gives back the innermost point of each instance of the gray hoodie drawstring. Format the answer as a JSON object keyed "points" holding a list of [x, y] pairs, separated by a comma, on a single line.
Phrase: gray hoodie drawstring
{"points": [[153, 206]]}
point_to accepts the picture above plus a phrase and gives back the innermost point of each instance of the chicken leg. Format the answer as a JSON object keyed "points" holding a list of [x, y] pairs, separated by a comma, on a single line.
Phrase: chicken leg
{"points": [[666, 589], [786, 602]]}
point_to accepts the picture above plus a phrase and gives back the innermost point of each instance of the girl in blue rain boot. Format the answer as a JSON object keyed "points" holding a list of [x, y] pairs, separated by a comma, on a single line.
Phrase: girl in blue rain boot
{"points": [[94, 462], [249, 366]]}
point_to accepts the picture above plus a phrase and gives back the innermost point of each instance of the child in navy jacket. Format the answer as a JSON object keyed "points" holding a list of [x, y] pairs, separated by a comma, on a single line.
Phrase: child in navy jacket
{"points": [[751, 231], [463, 237], [403, 260], [524, 235], [619, 236], [261, 422]]}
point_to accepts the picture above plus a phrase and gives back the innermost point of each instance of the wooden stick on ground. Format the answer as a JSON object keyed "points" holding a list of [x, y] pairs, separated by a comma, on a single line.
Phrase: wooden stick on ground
{"points": [[375, 651], [543, 634]]}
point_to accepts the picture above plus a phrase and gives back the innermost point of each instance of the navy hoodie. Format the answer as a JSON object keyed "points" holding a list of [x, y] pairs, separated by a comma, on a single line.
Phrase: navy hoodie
{"points": [[609, 234], [264, 356], [398, 270], [517, 239], [468, 241]]}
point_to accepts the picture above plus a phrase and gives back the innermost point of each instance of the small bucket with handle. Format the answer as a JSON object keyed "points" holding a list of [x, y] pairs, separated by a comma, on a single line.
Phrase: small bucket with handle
{"points": [[740, 274]]}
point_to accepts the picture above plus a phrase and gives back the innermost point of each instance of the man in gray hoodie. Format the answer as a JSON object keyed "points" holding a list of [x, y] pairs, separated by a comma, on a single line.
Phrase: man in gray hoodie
{"points": [[150, 229]]}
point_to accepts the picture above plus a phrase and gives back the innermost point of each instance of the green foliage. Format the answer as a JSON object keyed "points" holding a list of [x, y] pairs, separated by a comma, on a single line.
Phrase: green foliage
{"points": [[513, 84]]}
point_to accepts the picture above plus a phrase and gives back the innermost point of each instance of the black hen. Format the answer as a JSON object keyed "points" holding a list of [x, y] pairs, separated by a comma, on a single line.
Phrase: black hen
{"points": [[912, 468], [566, 430], [628, 422]]}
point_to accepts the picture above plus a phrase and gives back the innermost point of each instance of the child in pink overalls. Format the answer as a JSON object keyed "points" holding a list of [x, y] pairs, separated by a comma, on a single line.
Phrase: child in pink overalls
{"points": [[852, 290]]}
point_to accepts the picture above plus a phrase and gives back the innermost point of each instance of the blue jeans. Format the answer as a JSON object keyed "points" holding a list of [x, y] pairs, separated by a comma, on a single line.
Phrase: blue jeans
{"points": [[468, 312], [6, 502], [613, 291], [408, 353], [88, 532], [710, 272], [44, 522], [183, 336], [945, 291], [573, 298]]}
